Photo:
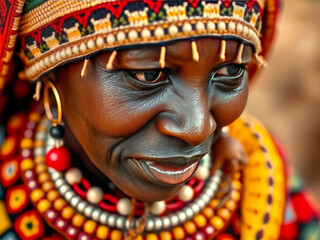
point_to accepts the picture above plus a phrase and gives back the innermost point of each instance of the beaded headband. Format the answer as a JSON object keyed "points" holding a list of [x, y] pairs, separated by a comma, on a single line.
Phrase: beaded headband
{"points": [[53, 32]]}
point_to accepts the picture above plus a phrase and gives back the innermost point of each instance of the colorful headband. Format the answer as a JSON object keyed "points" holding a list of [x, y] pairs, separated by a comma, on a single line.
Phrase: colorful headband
{"points": [[53, 32]]}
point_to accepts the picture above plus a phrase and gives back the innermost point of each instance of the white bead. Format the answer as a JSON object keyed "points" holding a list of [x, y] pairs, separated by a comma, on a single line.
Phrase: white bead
{"points": [[251, 33], [232, 26], [111, 39], [94, 195], [239, 28], [81, 206], [100, 41], [96, 214], [124, 206], [158, 207], [104, 218], [120, 222], [83, 47], [187, 27], [133, 35], [173, 30], [166, 223], [75, 200], [186, 193], [182, 216], [88, 211], [211, 26], [75, 49], [202, 173], [52, 58], [222, 26], [63, 189], [58, 56], [189, 213], [200, 26], [73, 175], [146, 33], [150, 225], [111, 220], [41, 63], [47, 62], [91, 44], [174, 220], [63, 54], [121, 36], [245, 30], [69, 51], [158, 224], [159, 32]]}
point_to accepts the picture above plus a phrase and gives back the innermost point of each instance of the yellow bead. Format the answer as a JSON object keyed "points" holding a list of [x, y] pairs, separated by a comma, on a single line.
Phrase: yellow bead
{"points": [[178, 233], [217, 222], [52, 195], [59, 204], [231, 204], [43, 205], [166, 235], [26, 143], [43, 177], [190, 227], [67, 212], [200, 220], [78, 219], [102, 232], [235, 195], [36, 195], [26, 164], [47, 186], [89, 226], [38, 143], [208, 212], [224, 213], [116, 235], [139, 237], [152, 236], [214, 203]]}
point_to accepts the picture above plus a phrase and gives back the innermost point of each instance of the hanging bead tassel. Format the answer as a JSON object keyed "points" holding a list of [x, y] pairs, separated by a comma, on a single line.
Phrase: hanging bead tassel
{"points": [[84, 68], [36, 95], [195, 53], [223, 50], [240, 52], [111, 59], [260, 61], [162, 60]]}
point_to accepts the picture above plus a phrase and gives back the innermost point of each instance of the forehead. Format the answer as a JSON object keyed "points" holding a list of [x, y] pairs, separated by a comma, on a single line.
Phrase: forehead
{"points": [[176, 52]]}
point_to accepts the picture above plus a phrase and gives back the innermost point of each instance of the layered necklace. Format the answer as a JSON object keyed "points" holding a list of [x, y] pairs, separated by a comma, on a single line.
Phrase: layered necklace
{"points": [[77, 209]]}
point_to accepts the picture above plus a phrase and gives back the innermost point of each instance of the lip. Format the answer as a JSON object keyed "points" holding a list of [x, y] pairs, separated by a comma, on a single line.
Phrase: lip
{"points": [[169, 171]]}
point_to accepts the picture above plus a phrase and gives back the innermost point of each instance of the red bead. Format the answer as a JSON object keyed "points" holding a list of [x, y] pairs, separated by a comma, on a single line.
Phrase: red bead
{"points": [[58, 158]]}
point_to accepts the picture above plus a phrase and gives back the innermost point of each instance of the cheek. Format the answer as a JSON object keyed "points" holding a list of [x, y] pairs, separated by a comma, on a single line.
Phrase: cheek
{"points": [[228, 109]]}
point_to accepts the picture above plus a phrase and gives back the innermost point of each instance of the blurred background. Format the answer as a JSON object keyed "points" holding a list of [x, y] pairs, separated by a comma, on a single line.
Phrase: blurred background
{"points": [[286, 95]]}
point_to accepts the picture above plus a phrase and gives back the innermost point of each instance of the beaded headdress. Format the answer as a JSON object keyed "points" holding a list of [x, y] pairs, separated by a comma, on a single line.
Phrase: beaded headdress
{"points": [[50, 33]]}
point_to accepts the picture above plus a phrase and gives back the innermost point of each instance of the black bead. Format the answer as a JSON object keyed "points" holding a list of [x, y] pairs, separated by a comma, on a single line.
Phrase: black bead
{"points": [[57, 131]]}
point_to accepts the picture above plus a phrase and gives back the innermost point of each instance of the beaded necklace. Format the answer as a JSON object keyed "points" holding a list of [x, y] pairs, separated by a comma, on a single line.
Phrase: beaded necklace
{"points": [[78, 216]]}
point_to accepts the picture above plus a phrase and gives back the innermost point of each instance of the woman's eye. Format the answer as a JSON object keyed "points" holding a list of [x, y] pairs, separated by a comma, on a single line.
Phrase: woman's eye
{"points": [[232, 70], [148, 76]]}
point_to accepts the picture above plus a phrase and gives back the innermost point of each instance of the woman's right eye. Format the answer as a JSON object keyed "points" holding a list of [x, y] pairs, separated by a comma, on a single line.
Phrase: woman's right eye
{"points": [[148, 76]]}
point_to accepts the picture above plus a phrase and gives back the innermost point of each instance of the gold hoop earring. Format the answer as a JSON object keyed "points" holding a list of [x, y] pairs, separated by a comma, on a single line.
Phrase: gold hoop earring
{"points": [[46, 101], [58, 157]]}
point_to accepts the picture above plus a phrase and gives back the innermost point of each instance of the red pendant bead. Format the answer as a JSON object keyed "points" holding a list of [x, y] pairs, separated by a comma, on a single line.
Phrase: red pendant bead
{"points": [[58, 158]]}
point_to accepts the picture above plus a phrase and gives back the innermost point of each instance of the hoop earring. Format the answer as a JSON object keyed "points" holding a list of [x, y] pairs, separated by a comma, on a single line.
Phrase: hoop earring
{"points": [[59, 156]]}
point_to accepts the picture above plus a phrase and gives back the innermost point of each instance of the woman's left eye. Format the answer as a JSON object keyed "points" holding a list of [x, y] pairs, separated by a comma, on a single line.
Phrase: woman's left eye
{"points": [[148, 76], [231, 70]]}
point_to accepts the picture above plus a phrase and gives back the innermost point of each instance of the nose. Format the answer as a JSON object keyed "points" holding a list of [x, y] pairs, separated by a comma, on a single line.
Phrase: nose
{"points": [[189, 120]]}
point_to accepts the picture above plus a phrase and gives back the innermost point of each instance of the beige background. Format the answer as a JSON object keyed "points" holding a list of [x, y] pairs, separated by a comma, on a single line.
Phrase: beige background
{"points": [[286, 96]]}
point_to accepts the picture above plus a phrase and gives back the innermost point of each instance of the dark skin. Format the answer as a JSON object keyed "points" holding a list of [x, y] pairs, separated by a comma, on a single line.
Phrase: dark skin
{"points": [[137, 114]]}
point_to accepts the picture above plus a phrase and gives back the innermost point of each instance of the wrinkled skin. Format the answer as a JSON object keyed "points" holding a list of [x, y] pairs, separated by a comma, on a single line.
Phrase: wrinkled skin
{"points": [[115, 117]]}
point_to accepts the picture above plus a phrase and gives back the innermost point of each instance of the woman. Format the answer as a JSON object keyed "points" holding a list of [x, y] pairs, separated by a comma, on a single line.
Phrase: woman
{"points": [[146, 141]]}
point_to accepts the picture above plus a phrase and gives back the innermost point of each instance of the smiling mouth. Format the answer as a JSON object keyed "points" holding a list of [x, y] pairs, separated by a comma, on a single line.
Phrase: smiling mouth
{"points": [[168, 173]]}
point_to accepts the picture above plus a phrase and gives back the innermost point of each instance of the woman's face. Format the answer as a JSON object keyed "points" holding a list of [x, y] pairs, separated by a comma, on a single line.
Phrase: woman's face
{"points": [[146, 128]]}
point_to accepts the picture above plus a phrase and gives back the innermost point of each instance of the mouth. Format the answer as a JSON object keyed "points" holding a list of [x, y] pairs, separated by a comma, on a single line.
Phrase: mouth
{"points": [[171, 171]]}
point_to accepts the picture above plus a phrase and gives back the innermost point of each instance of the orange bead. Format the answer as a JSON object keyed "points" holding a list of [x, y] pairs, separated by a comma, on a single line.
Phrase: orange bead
{"points": [[116, 235], [217, 222], [43, 205], [47, 186], [190, 227], [41, 168], [235, 195], [178, 233], [165, 235], [52, 195], [26, 164], [224, 213], [67, 212], [152, 236], [36, 195], [231, 204], [78, 219], [59, 204], [214, 203], [39, 159], [26, 143], [89, 226], [200, 220], [208, 212], [102, 232], [236, 184], [43, 177]]}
